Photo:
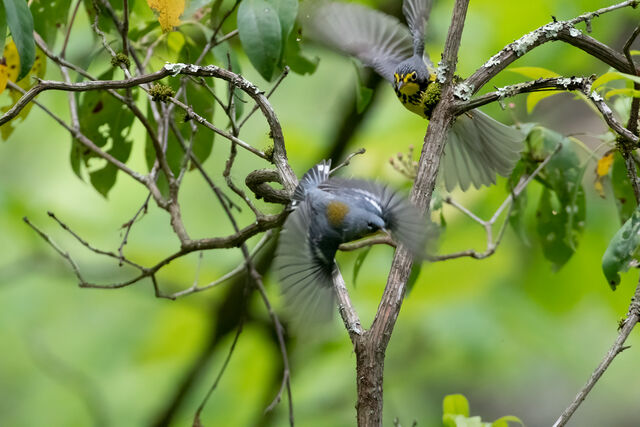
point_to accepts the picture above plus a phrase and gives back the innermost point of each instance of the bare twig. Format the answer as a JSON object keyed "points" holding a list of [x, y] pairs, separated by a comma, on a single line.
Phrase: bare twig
{"points": [[488, 225], [633, 316], [196, 417], [347, 161], [92, 248], [284, 74]]}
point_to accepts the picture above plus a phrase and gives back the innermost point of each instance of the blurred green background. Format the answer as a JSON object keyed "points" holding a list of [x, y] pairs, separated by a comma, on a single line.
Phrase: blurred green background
{"points": [[507, 332]]}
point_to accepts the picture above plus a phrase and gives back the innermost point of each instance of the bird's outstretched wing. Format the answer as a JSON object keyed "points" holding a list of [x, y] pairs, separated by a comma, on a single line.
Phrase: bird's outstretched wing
{"points": [[378, 40], [477, 148], [416, 12], [304, 268]]}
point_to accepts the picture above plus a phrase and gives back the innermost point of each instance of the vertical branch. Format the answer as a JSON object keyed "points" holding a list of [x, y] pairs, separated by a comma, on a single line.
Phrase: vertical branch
{"points": [[370, 347]]}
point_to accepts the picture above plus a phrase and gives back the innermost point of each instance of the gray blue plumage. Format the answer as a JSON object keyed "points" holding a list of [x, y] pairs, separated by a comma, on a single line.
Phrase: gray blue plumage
{"points": [[328, 212], [477, 146]]}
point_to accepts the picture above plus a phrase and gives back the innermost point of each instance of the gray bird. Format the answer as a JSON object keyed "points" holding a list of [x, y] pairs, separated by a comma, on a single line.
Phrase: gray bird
{"points": [[328, 212], [477, 146]]}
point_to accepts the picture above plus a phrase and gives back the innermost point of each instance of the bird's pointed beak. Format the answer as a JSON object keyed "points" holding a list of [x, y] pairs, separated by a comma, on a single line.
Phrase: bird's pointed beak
{"points": [[400, 85]]}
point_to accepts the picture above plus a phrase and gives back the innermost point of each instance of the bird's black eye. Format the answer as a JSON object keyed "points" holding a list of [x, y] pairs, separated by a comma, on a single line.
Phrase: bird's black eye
{"points": [[413, 76], [372, 227]]}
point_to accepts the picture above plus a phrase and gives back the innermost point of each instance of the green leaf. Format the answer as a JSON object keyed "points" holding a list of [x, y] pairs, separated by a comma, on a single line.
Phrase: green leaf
{"points": [[621, 249], [416, 268], [562, 209], [3, 28], [462, 421], [455, 404], [358, 263], [287, 11], [20, 24], [504, 421], [363, 93], [517, 217], [622, 189], [49, 17], [261, 35], [108, 125], [295, 59]]}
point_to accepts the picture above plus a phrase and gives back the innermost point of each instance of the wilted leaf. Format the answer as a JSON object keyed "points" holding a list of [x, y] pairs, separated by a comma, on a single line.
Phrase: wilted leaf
{"points": [[261, 35], [169, 12], [20, 24], [621, 249]]}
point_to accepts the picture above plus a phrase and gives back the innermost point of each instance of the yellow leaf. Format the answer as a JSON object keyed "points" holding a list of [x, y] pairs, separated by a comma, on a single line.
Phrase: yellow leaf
{"points": [[602, 170], [604, 164], [12, 61], [168, 12], [534, 72], [4, 77]]}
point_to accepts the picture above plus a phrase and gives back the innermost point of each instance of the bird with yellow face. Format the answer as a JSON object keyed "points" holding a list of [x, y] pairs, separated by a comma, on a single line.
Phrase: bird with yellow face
{"points": [[477, 147]]}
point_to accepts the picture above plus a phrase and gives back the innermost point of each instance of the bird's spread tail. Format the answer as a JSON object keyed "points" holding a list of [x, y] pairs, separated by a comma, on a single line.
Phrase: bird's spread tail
{"points": [[304, 272], [314, 177], [477, 148]]}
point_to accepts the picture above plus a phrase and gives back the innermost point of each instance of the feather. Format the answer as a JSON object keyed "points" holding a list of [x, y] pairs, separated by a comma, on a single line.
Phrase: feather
{"points": [[314, 176], [378, 40], [305, 277], [477, 148], [416, 12]]}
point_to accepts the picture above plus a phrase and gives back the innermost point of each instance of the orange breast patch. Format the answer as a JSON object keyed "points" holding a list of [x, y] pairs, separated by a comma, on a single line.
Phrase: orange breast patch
{"points": [[336, 211]]}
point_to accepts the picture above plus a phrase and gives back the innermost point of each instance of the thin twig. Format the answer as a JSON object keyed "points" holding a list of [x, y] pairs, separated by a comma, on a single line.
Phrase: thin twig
{"points": [[633, 316], [90, 247], [284, 74], [63, 51], [347, 161], [196, 417], [488, 225]]}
